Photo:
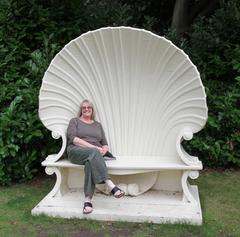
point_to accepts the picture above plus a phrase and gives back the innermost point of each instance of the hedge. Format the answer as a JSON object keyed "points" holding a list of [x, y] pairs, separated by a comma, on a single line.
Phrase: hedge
{"points": [[32, 32]]}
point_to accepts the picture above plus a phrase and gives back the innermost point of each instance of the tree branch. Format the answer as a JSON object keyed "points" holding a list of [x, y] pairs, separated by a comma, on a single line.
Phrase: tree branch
{"points": [[185, 12]]}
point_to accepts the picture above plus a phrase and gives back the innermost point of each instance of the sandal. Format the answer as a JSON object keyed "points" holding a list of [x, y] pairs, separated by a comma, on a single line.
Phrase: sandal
{"points": [[87, 204], [115, 190]]}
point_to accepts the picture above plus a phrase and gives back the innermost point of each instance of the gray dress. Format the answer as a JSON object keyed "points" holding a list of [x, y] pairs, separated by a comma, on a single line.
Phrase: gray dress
{"points": [[94, 165]]}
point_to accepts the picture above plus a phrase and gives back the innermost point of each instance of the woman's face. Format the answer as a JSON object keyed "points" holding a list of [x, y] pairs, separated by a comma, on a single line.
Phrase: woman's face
{"points": [[87, 110]]}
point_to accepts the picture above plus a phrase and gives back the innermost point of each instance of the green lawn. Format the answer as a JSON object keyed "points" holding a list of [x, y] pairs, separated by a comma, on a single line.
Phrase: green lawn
{"points": [[219, 194]]}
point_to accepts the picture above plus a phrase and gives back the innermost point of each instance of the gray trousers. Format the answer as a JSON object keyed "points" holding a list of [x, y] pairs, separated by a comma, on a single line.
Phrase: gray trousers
{"points": [[94, 166]]}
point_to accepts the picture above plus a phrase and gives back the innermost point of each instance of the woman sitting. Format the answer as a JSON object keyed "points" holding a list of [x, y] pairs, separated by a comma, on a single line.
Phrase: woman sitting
{"points": [[86, 146]]}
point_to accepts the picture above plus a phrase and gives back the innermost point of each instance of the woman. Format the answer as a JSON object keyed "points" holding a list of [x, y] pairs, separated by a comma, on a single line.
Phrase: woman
{"points": [[86, 146]]}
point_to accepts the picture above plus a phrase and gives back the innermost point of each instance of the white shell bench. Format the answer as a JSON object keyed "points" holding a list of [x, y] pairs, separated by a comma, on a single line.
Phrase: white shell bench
{"points": [[149, 97]]}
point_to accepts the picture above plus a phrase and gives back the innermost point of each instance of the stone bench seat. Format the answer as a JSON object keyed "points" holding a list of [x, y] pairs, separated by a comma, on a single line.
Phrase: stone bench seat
{"points": [[142, 171], [130, 165]]}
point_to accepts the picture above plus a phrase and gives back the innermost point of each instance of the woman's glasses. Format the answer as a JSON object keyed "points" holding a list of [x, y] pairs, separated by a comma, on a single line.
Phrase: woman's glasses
{"points": [[86, 107]]}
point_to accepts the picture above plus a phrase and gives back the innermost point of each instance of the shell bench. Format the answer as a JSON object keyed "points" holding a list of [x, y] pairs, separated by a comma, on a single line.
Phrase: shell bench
{"points": [[149, 98]]}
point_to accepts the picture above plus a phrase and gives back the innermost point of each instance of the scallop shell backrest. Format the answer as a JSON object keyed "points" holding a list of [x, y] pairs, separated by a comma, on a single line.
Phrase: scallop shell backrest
{"points": [[145, 89]]}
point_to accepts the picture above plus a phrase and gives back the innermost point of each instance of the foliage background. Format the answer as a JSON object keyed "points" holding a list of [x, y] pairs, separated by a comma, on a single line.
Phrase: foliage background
{"points": [[32, 32]]}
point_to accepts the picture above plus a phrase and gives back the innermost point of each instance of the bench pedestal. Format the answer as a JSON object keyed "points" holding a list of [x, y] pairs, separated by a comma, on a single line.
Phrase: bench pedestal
{"points": [[153, 206], [165, 195]]}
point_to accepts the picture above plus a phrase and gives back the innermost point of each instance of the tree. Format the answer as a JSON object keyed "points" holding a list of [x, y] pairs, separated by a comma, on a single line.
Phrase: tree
{"points": [[186, 11]]}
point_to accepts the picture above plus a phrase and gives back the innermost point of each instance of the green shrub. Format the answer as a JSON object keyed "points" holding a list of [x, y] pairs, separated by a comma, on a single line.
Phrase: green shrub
{"points": [[21, 130], [215, 49], [31, 33], [213, 46]]}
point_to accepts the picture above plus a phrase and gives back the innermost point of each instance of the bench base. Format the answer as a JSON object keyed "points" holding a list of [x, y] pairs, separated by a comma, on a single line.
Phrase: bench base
{"points": [[153, 207]]}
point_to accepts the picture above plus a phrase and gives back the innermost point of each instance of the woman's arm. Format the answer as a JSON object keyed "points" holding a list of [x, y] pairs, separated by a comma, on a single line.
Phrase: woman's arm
{"points": [[104, 141], [72, 130], [80, 142]]}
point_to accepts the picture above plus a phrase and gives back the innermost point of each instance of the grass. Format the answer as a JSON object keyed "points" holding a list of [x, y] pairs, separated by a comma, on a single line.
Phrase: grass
{"points": [[219, 194]]}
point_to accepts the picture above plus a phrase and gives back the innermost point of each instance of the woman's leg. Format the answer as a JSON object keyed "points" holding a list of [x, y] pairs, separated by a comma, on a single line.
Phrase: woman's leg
{"points": [[95, 168], [95, 172]]}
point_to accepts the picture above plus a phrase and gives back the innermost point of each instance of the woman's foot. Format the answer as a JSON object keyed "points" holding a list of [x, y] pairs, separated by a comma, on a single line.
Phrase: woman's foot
{"points": [[87, 207], [117, 192]]}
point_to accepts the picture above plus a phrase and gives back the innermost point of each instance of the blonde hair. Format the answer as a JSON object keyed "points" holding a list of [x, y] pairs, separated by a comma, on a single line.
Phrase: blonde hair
{"points": [[93, 116]]}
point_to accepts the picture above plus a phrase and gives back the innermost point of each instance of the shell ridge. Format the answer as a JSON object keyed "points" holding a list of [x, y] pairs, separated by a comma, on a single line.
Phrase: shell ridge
{"points": [[145, 89], [60, 92], [187, 119], [168, 83], [106, 88], [180, 122], [122, 85], [82, 74], [158, 83], [115, 78], [56, 117], [72, 82], [89, 82], [135, 88], [44, 107], [161, 84], [179, 71], [75, 87], [176, 112], [56, 123], [183, 90]]}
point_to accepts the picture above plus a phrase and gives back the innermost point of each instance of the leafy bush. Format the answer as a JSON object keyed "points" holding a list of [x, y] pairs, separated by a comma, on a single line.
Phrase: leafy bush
{"points": [[218, 143], [20, 127], [37, 32], [39, 29], [215, 49], [213, 45]]}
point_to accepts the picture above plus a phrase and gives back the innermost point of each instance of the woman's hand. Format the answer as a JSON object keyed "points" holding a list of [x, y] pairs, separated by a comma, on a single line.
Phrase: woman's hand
{"points": [[100, 150], [105, 149], [80, 142]]}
